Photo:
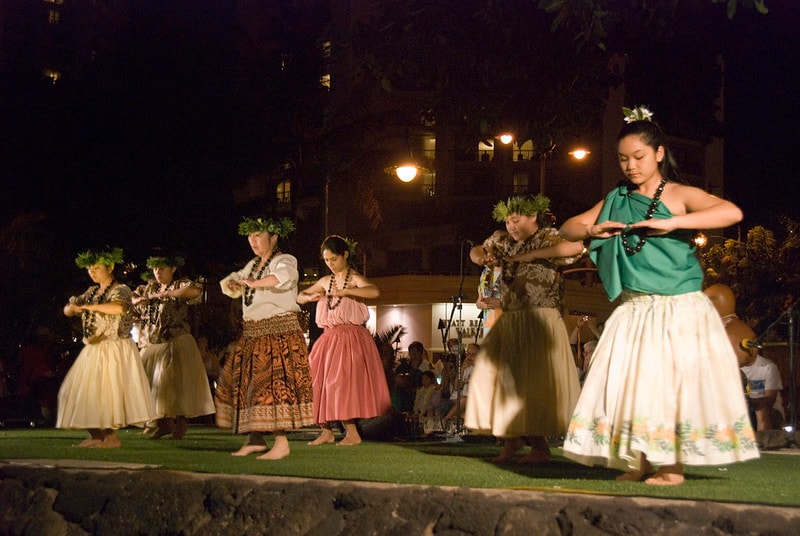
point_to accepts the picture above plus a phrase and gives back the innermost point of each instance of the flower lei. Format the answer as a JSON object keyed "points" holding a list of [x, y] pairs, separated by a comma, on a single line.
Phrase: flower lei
{"points": [[524, 206], [108, 258], [281, 227], [637, 113]]}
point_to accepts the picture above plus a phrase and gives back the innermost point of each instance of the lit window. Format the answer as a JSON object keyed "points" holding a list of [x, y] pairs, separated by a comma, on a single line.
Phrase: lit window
{"points": [[427, 181], [326, 49], [520, 183], [429, 147], [54, 16], [523, 152], [485, 151], [54, 2], [284, 191]]}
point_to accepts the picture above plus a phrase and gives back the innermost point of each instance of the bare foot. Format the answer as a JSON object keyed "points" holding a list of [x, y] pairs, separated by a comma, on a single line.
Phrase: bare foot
{"points": [[510, 449], [631, 476], [535, 456], [637, 474], [325, 437], [111, 443], [249, 449], [181, 426], [88, 442], [277, 452], [147, 430], [667, 475], [350, 439], [160, 432]]}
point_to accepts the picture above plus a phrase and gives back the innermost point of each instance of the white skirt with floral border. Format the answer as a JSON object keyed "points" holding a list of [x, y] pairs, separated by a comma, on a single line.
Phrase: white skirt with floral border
{"points": [[663, 382]]}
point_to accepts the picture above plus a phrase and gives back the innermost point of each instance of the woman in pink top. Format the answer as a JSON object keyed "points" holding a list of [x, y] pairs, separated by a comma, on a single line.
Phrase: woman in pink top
{"points": [[346, 370]]}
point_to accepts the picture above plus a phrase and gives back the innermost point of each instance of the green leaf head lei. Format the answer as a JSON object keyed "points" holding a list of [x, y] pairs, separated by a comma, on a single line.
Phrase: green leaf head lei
{"points": [[524, 206], [281, 227], [108, 257], [157, 262]]}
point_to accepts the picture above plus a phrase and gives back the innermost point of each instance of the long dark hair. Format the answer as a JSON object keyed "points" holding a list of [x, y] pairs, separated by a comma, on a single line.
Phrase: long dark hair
{"points": [[338, 246], [652, 135]]}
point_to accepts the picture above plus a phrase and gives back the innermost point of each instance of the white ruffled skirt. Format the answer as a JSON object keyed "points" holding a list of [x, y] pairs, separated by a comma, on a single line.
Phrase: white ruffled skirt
{"points": [[105, 388], [663, 382]]}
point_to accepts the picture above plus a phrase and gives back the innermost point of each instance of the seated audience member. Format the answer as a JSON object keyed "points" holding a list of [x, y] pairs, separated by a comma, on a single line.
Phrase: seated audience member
{"points": [[460, 394], [764, 391], [762, 375], [426, 401]]}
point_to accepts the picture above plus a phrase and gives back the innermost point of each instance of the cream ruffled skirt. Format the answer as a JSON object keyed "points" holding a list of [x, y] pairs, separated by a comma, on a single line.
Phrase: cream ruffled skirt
{"points": [[105, 388], [663, 382]]}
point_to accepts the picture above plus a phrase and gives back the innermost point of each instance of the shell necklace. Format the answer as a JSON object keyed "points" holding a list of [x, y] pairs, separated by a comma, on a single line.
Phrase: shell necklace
{"points": [[89, 316], [332, 306], [633, 250], [154, 306], [250, 292]]}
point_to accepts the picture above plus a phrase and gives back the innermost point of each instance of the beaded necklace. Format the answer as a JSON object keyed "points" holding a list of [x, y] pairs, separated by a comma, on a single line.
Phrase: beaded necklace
{"points": [[333, 306], [250, 292], [89, 316], [154, 306], [633, 250]]}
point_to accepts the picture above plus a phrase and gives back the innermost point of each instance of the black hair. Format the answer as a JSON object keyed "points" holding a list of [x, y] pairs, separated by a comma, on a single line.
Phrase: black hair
{"points": [[652, 135], [338, 246]]}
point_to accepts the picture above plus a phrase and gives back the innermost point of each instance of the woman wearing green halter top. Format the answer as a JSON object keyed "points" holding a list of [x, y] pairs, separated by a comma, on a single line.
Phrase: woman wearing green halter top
{"points": [[663, 389]]}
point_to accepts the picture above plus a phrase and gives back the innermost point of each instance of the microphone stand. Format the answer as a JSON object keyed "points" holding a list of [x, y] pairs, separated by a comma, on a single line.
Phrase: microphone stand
{"points": [[458, 300]]}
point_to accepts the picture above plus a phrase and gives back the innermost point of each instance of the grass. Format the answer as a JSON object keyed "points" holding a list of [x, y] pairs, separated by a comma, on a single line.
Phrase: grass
{"points": [[771, 480]]}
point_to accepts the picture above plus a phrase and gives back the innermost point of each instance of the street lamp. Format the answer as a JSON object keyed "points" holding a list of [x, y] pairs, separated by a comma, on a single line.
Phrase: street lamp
{"points": [[577, 154]]}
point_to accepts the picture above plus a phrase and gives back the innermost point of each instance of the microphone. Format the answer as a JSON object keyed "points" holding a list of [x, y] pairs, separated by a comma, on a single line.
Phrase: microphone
{"points": [[468, 241], [746, 344]]}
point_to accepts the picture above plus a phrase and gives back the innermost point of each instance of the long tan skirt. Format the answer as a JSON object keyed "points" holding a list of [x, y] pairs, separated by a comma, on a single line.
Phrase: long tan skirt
{"points": [[524, 382], [178, 378], [265, 384]]}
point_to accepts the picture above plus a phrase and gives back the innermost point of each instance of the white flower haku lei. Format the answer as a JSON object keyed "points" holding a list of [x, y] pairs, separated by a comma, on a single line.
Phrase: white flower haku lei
{"points": [[639, 113]]}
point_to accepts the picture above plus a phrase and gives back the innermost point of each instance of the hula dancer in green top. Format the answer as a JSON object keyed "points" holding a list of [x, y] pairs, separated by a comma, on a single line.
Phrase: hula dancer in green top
{"points": [[663, 388]]}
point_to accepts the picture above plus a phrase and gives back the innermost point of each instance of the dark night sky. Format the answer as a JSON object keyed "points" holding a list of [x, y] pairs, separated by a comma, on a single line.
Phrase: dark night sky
{"points": [[762, 136]]}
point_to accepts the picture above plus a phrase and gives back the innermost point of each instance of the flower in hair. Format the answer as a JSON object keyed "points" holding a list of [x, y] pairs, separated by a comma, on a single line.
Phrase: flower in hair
{"points": [[155, 262], [108, 258], [639, 113], [524, 206], [351, 246], [281, 227]]}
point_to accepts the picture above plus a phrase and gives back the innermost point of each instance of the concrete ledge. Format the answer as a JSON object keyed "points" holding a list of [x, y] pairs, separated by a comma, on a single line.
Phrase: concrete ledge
{"points": [[37, 497]]}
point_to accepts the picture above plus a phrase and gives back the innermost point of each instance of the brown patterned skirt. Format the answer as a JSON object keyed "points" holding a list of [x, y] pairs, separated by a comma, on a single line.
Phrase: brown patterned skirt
{"points": [[265, 384]]}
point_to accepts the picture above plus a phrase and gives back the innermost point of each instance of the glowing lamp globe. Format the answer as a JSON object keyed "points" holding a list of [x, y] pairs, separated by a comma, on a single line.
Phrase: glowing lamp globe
{"points": [[406, 172]]}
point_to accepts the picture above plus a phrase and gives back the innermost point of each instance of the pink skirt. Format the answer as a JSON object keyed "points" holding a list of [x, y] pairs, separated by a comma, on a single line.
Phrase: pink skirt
{"points": [[347, 375]]}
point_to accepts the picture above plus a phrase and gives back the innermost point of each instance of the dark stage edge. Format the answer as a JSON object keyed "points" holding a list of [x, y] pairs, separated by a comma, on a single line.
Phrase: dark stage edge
{"points": [[69, 497]]}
